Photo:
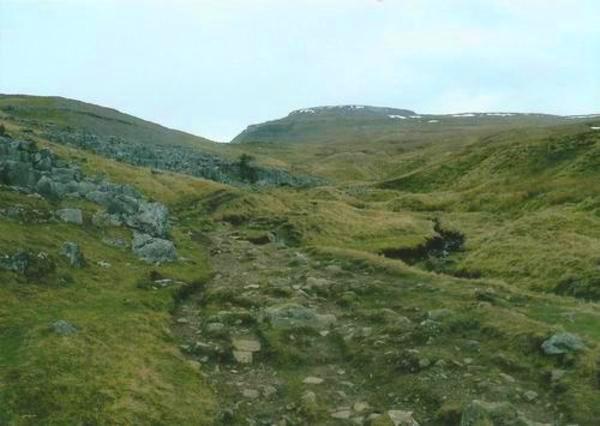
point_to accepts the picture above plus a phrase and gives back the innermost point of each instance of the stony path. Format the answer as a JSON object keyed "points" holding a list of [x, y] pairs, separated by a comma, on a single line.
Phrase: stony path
{"points": [[288, 340]]}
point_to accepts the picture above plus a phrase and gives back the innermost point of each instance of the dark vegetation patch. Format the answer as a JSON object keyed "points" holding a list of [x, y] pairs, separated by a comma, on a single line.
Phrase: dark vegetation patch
{"points": [[444, 243], [582, 287]]}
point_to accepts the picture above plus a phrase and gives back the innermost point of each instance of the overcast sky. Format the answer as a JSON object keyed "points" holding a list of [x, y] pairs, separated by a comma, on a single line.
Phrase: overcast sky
{"points": [[212, 67]]}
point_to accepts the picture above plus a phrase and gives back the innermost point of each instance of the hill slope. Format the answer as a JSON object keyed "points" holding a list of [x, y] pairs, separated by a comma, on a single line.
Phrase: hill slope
{"points": [[367, 124], [430, 277], [63, 113], [131, 140]]}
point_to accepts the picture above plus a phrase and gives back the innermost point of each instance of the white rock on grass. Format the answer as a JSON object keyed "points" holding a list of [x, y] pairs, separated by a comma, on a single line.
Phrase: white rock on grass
{"points": [[312, 380]]}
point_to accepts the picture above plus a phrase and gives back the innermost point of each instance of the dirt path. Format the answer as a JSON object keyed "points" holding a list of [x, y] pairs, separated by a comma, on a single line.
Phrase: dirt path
{"points": [[288, 340]]}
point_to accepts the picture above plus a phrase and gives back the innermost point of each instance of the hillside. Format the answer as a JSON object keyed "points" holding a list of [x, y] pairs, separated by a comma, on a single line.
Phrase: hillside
{"points": [[64, 113], [368, 124], [130, 140], [432, 273]]}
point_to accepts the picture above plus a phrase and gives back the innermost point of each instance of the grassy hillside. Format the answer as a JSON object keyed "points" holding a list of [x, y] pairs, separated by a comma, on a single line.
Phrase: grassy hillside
{"points": [[39, 110], [368, 125], [447, 254], [123, 366]]}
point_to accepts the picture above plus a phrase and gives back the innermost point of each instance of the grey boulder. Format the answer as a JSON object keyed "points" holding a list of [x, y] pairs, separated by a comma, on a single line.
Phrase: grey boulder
{"points": [[562, 343], [63, 328], [73, 216], [292, 315], [152, 249], [153, 219], [73, 253]]}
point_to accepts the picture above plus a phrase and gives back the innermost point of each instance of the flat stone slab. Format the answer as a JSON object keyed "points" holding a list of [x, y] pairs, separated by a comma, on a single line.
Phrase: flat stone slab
{"points": [[312, 381], [243, 357], [246, 344]]}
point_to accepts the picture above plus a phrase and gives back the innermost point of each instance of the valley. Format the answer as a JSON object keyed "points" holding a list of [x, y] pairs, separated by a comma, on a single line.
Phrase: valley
{"points": [[342, 265]]}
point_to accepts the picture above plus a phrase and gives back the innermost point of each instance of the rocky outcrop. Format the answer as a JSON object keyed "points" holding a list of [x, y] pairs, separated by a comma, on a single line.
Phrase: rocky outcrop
{"points": [[26, 263], [32, 170], [181, 159]]}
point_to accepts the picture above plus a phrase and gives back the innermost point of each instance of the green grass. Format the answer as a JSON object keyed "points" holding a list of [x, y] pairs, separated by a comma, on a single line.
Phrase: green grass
{"points": [[123, 367], [526, 198]]}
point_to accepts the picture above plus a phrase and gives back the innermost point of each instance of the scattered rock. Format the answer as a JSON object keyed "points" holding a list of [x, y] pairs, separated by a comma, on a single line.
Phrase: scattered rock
{"points": [[215, 329], [316, 283], [530, 396], [73, 253], [269, 391], [360, 406], [424, 363], [73, 216], [557, 375], [312, 380], [243, 357], [439, 314], [562, 343], [508, 378], [246, 344], [116, 242], [309, 398], [334, 269], [482, 413], [63, 328], [153, 250], [402, 418], [19, 262], [32, 266], [33, 170], [250, 393], [342, 414], [292, 315]]}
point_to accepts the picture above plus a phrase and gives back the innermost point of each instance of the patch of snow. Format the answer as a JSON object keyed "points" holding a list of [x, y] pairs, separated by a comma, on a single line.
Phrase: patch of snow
{"points": [[595, 127], [433, 121], [401, 117], [577, 117], [415, 116], [463, 115], [499, 114], [306, 111]]}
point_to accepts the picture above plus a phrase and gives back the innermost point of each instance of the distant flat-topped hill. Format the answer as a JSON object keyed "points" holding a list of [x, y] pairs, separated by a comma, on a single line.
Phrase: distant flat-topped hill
{"points": [[362, 123]]}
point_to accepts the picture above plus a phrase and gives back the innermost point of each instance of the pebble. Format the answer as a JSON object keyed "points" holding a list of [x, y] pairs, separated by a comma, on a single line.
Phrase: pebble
{"points": [[250, 393], [269, 391], [342, 414], [360, 406], [309, 397], [312, 381], [530, 396]]}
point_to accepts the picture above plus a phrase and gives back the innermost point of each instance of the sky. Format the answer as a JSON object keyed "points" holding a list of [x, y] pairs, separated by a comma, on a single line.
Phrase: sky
{"points": [[212, 67]]}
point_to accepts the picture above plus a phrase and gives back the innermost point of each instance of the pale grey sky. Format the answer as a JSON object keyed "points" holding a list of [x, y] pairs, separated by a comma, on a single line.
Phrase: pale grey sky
{"points": [[212, 67]]}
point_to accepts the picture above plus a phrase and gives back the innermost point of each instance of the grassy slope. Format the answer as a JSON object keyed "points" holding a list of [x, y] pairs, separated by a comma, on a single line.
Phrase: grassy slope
{"points": [[527, 199], [512, 192], [63, 112], [525, 227], [123, 367]]}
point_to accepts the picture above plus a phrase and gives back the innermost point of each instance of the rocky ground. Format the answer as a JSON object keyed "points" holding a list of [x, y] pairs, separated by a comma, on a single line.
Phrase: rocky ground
{"points": [[286, 338]]}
